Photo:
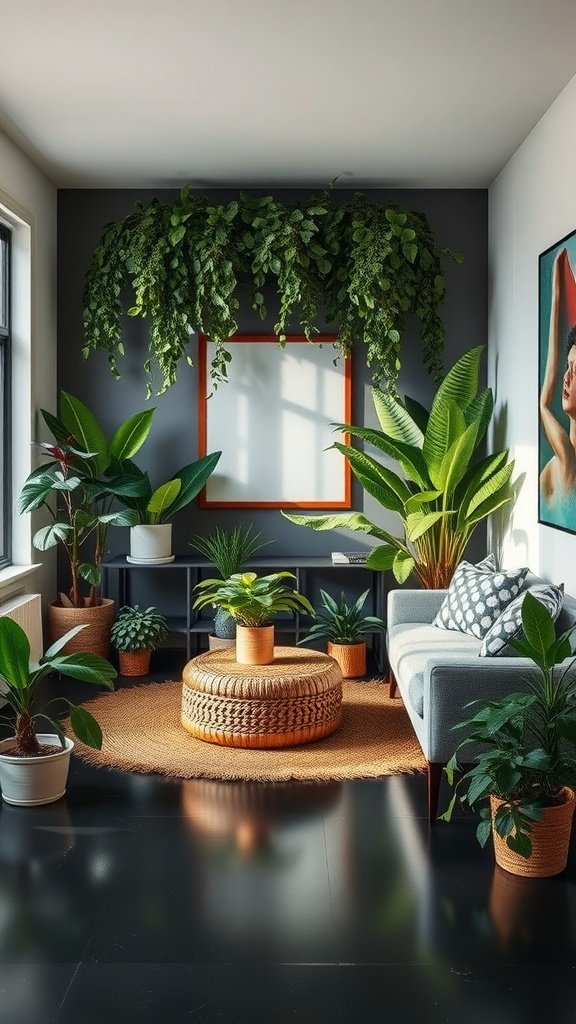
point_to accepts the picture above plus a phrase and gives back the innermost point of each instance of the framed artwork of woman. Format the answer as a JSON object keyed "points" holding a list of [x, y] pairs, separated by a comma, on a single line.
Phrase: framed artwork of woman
{"points": [[557, 361]]}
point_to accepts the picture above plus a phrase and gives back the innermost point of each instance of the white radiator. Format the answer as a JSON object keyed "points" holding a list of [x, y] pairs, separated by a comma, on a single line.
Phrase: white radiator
{"points": [[26, 610]]}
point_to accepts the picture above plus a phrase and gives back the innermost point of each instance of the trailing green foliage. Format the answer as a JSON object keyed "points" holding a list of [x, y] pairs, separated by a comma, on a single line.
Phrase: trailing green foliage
{"points": [[185, 262], [250, 599], [20, 680], [340, 622], [529, 739], [447, 485], [138, 629]]}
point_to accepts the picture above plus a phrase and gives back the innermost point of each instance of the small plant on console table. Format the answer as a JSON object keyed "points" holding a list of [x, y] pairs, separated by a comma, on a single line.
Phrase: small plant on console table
{"points": [[135, 634], [344, 628], [526, 772], [253, 601]]}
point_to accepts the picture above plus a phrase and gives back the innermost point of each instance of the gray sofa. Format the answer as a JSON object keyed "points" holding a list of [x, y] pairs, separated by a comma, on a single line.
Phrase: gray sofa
{"points": [[438, 671]]}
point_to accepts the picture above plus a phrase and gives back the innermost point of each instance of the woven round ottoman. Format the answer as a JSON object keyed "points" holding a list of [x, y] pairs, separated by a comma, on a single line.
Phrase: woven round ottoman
{"points": [[296, 699]]}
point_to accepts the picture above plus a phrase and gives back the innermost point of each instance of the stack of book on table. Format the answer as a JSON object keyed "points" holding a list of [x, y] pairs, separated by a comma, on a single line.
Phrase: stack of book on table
{"points": [[349, 557]]}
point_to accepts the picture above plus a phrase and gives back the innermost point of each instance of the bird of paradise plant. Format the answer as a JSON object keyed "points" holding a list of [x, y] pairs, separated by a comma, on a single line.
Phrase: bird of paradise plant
{"points": [[448, 486]]}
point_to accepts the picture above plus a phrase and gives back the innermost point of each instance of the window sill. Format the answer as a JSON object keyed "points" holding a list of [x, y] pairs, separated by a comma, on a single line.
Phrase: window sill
{"points": [[13, 573]]}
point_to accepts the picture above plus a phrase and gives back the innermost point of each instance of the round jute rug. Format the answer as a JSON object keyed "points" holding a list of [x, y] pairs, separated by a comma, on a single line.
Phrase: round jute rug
{"points": [[142, 733]]}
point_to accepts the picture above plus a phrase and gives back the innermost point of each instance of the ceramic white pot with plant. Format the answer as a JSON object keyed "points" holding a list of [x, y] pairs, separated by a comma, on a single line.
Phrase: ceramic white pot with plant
{"points": [[151, 543], [34, 766], [40, 779]]}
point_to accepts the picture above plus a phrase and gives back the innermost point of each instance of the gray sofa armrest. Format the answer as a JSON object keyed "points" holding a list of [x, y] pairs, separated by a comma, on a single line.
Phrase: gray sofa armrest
{"points": [[413, 605]]}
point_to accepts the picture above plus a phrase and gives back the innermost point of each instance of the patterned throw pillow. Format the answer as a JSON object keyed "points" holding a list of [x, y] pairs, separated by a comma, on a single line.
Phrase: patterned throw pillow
{"points": [[477, 596], [509, 624]]}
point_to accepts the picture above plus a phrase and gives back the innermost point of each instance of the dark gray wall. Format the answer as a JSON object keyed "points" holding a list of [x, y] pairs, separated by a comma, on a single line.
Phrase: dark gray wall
{"points": [[459, 220]]}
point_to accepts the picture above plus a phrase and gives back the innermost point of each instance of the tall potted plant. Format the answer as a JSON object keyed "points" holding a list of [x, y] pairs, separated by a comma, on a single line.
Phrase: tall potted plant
{"points": [[34, 766], [523, 780], [228, 550], [77, 485], [253, 601], [448, 485]]}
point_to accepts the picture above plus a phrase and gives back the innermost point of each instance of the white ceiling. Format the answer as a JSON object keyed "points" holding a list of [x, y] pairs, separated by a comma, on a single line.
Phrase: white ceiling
{"points": [[155, 93]]}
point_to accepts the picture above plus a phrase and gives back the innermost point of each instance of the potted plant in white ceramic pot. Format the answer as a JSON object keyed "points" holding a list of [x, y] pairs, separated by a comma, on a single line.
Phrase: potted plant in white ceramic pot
{"points": [[150, 513], [524, 778], [77, 487], [135, 634], [253, 601], [228, 550], [344, 628], [33, 765]]}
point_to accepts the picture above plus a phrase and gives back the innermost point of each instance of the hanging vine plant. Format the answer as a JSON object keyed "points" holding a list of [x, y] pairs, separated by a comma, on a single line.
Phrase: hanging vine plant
{"points": [[365, 266]]}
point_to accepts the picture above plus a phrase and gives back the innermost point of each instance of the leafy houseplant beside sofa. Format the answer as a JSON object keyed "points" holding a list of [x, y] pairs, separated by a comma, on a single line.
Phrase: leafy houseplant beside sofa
{"points": [[439, 668]]}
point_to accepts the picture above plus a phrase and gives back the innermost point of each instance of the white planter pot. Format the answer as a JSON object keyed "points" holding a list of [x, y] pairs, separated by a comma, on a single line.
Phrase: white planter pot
{"points": [[29, 781], [151, 544]]}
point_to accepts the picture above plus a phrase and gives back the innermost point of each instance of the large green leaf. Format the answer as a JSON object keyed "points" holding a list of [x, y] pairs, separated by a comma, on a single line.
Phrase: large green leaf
{"points": [[395, 421], [85, 727], [35, 493], [89, 668], [480, 411], [476, 475], [131, 435], [445, 426], [51, 535], [355, 521], [461, 382], [491, 488], [162, 499], [455, 462], [409, 456], [382, 483], [14, 653], [382, 557], [192, 478], [537, 626], [83, 425], [419, 523]]}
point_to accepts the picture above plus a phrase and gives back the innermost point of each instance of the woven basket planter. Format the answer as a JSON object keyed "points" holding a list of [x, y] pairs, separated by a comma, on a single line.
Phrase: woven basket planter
{"points": [[134, 663], [550, 838], [95, 639], [350, 657], [296, 699]]}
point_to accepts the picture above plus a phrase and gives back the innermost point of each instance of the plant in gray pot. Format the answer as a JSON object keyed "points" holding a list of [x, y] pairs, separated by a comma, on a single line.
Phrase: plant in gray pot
{"points": [[228, 550], [33, 765], [135, 634]]}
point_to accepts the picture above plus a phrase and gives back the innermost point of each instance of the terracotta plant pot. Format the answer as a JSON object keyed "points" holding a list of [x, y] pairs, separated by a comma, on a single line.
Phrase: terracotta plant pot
{"points": [[550, 838], [350, 657], [254, 645], [95, 639], [134, 663]]}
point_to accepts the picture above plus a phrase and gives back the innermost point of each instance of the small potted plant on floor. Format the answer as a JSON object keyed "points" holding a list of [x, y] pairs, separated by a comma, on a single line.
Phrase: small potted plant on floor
{"points": [[344, 628], [253, 601], [228, 550], [524, 778], [34, 766], [135, 634]]}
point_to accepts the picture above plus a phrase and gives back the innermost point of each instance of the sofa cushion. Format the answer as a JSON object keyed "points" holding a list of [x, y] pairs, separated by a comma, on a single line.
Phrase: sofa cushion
{"points": [[509, 624], [477, 596], [414, 647]]}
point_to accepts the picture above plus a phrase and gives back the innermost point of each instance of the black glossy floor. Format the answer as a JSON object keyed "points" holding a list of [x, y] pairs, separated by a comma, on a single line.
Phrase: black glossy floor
{"points": [[139, 899]]}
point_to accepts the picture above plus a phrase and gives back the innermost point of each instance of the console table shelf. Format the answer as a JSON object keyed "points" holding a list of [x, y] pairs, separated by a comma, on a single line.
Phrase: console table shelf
{"points": [[192, 570]]}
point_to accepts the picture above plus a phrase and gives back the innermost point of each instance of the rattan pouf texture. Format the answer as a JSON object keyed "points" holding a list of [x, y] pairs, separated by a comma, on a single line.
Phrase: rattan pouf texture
{"points": [[295, 699]]}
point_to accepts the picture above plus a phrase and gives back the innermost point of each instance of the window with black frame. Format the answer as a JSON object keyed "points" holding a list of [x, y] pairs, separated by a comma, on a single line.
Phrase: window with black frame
{"points": [[5, 392]]}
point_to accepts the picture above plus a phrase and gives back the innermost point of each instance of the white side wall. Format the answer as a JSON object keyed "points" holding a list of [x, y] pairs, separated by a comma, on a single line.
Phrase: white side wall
{"points": [[31, 198], [532, 206]]}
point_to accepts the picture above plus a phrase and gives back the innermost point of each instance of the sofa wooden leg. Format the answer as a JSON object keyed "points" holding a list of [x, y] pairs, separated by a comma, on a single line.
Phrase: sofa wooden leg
{"points": [[392, 682], [434, 779]]}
